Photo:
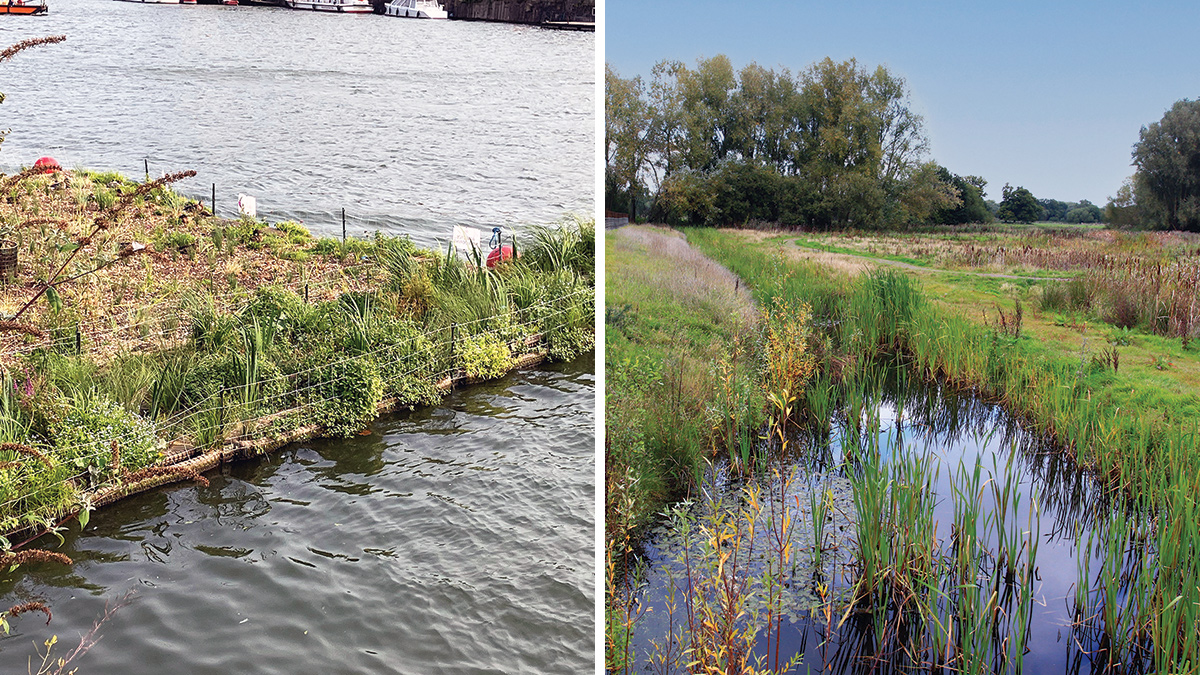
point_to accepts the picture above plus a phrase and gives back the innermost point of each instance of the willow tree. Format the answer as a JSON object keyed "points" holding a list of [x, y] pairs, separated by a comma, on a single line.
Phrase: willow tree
{"points": [[625, 126], [1167, 157]]}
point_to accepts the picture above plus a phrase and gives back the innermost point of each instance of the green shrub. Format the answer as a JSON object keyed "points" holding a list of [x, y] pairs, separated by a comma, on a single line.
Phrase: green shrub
{"points": [[328, 246], [294, 232], [406, 359], [345, 396], [106, 177], [32, 490], [176, 240], [569, 343], [279, 306], [484, 356], [85, 433]]}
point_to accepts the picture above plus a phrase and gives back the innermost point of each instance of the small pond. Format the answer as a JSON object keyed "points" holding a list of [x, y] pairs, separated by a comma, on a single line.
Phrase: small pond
{"points": [[1051, 505]]}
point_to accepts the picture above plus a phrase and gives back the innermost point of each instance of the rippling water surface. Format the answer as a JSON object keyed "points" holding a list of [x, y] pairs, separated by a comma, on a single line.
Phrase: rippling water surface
{"points": [[411, 126], [457, 539]]}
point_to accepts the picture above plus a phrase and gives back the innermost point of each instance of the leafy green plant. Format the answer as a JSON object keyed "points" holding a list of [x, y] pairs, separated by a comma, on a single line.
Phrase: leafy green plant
{"points": [[176, 240], [345, 396], [483, 356], [94, 434]]}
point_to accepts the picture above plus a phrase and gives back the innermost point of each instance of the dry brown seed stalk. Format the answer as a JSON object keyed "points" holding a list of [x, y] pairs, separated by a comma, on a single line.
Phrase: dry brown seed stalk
{"points": [[18, 610], [27, 44], [16, 326], [25, 450], [142, 189], [57, 222], [10, 558], [182, 472], [18, 177]]}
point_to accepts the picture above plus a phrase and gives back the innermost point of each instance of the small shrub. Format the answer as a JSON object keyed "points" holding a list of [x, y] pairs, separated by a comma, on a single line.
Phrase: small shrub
{"points": [[405, 357], [570, 343], [346, 396], [294, 232], [85, 434], [484, 356], [175, 240], [1122, 337]]}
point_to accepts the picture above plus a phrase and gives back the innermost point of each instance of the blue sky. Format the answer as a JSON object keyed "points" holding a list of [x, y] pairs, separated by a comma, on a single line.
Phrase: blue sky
{"points": [[1050, 96]]}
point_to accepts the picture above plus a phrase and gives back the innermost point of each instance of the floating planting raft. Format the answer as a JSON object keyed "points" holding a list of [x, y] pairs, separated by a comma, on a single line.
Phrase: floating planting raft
{"points": [[182, 460], [226, 339]]}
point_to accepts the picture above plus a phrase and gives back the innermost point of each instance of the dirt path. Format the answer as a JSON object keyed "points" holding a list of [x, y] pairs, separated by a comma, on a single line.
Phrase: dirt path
{"points": [[686, 272]]}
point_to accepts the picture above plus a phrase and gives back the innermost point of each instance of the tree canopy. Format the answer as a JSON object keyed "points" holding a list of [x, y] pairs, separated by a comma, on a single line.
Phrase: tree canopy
{"points": [[834, 145], [971, 207], [1167, 157], [1018, 206]]}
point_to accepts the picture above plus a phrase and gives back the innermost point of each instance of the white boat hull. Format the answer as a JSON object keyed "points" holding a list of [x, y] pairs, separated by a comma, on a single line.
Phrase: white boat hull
{"points": [[416, 13], [335, 6], [416, 9]]}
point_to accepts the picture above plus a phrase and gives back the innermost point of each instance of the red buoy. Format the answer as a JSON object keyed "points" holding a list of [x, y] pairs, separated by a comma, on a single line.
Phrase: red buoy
{"points": [[47, 164], [499, 255]]}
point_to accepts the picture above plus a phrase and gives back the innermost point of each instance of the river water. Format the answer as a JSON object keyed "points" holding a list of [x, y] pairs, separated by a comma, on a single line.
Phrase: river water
{"points": [[411, 126], [454, 539]]}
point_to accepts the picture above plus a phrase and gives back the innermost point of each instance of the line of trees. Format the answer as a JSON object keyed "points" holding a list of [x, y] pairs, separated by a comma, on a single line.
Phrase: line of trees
{"points": [[837, 145], [833, 146]]}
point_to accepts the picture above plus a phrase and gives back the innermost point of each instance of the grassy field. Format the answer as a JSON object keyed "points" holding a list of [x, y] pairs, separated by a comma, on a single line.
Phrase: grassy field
{"points": [[670, 314], [1162, 370]]}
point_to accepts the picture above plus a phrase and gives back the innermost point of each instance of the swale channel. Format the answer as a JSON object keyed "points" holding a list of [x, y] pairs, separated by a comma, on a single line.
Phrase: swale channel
{"points": [[452, 539], [980, 533]]}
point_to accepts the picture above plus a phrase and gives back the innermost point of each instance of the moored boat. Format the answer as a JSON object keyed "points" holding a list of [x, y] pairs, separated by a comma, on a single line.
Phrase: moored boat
{"points": [[23, 7], [416, 9], [341, 6]]}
